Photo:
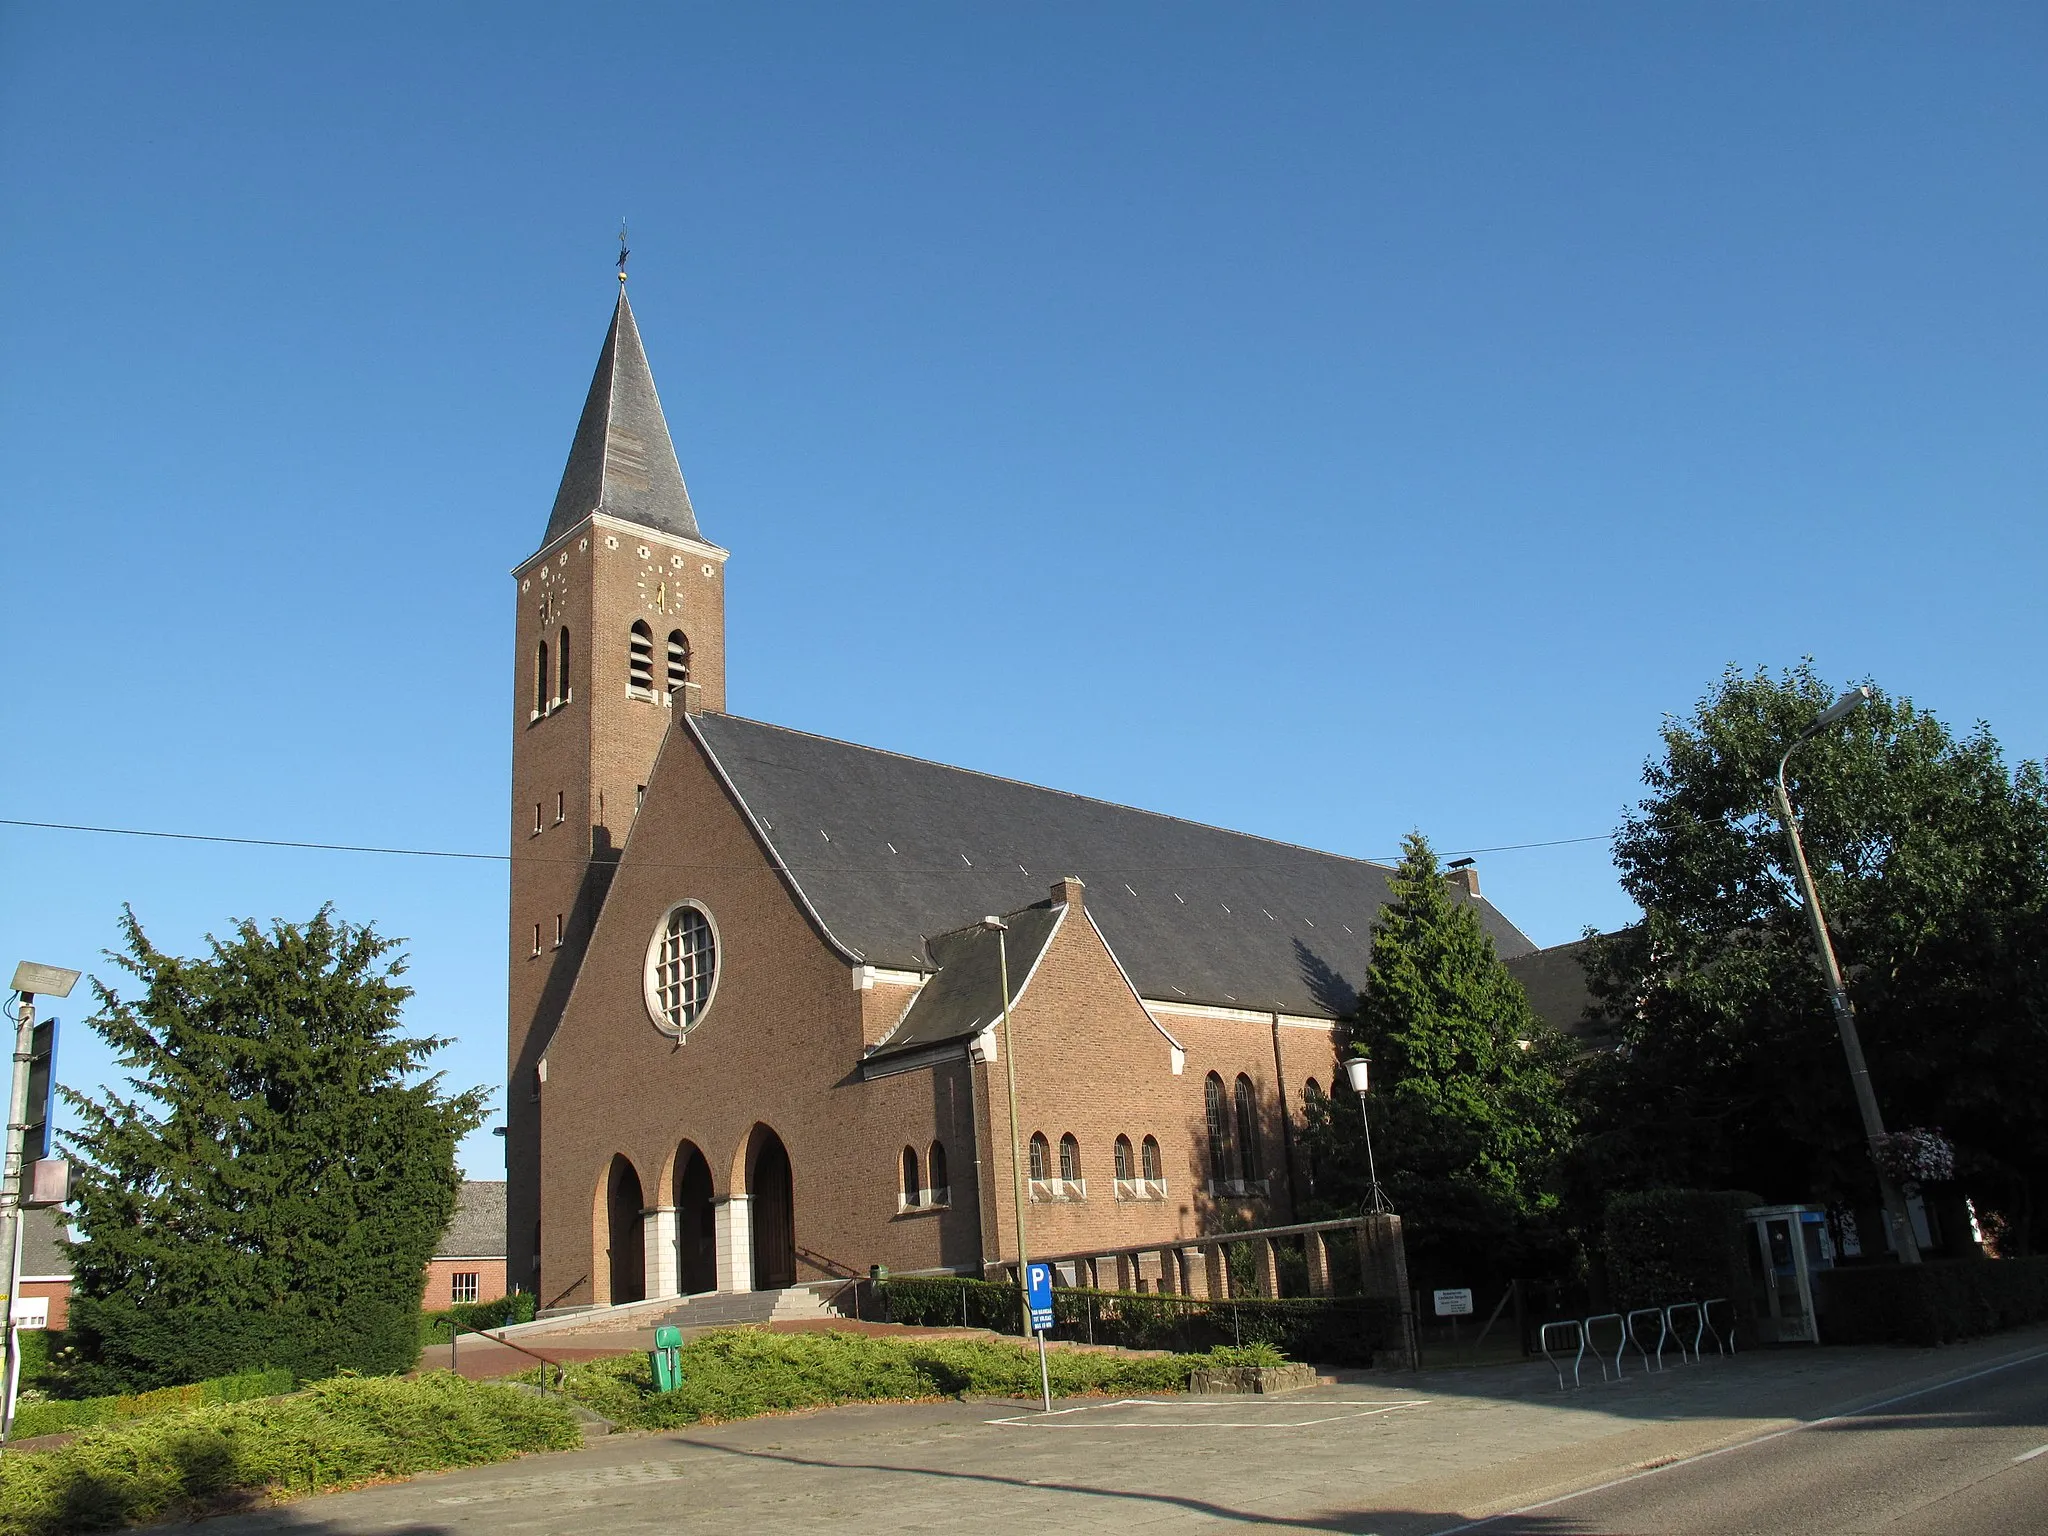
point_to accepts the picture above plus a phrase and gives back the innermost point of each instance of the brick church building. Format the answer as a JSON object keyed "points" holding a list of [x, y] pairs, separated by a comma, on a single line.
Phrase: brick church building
{"points": [[756, 1032]]}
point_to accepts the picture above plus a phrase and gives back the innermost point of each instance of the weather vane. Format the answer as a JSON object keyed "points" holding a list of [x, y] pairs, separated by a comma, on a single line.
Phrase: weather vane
{"points": [[623, 253]]}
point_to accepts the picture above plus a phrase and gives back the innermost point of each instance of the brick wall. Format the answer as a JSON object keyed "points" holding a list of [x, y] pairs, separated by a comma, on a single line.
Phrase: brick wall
{"points": [[441, 1273]]}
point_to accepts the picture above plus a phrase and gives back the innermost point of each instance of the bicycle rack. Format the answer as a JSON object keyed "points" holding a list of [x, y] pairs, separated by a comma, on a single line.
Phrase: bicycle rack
{"points": [[1576, 1336], [1672, 1314], [1600, 1350], [1721, 1346], [1663, 1332]]}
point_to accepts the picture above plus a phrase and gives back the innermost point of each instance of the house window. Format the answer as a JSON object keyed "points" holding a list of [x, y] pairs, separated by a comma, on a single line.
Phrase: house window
{"points": [[540, 680], [1070, 1159], [1247, 1132], [640, 659], [935, 1171], [562, 668], [682, 967], [1219, 1129], [1123, 1158], [911, 1195], [462, 1286], [1149, 1152], [1041, 1157], [678, 660]]}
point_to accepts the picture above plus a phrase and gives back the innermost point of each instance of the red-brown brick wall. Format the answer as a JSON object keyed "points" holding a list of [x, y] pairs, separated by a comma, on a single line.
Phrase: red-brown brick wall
{"points": [[441, 1273]]}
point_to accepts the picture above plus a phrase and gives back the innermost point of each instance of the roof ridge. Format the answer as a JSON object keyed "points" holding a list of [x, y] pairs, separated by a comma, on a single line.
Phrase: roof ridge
{"points": [[1067, 794]]}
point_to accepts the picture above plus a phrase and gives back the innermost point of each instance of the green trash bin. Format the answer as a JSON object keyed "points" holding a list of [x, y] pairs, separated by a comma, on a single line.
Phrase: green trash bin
{"points": [[667, 1359]]}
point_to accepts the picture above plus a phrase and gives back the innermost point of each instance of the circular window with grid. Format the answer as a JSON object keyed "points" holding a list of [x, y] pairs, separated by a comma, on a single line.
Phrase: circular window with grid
{"points": [[682, 967]]}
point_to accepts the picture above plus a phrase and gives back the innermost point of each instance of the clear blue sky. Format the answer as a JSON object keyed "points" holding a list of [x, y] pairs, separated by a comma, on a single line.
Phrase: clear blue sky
{"points": [[1324, 420]]}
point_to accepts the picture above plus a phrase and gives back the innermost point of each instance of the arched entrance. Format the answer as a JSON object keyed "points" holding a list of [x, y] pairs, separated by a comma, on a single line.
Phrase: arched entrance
{"points": [[625, 1240], [696, 1238], [774, 1212]]}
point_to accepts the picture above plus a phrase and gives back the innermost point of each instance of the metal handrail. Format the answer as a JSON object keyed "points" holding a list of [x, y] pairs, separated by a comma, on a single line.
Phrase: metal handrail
{"points": [[456, 1331]]}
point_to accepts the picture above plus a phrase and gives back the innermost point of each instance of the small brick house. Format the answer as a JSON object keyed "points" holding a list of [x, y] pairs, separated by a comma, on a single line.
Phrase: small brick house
{"points": [[756, 1032], [45, 1262], [469, 1264]]}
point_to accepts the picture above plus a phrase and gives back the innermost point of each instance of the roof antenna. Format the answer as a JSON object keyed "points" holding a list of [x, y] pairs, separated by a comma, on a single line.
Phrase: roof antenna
{"points": [[623, 253]]}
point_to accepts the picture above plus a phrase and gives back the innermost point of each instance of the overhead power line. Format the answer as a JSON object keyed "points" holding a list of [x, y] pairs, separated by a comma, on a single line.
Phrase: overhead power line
{"points": [[537, 858]]}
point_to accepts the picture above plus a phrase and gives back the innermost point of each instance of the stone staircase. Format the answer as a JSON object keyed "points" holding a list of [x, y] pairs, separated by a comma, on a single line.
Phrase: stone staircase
{"points": [[711, 1309]]}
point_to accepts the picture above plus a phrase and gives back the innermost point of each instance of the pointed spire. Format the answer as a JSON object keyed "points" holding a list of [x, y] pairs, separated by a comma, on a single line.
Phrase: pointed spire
{"points": [[623, 462]]}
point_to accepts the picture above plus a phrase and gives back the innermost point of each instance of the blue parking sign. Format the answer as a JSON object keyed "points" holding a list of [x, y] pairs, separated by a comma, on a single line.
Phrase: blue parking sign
{"points": [[1038, 1295]]}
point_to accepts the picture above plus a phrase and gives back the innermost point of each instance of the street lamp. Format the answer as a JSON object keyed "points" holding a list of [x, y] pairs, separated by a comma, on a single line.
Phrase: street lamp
{"points": [[1903, 1242], [1358, 1069], [29, 980], [1001, 930]]}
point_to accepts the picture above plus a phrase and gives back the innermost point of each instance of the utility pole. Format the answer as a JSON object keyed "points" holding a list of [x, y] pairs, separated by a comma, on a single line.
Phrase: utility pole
{"points": [[1904, 1243], [29, 979], [1002, 931]]}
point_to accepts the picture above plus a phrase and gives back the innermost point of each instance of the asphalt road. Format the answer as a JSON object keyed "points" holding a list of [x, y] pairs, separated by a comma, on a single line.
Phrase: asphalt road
{"points": [[1968, 1458]]}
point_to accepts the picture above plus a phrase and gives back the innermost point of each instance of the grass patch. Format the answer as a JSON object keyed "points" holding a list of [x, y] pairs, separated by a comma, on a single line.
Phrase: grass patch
{"points": [[49, 1416], [341, 1432], [739, 1373]]}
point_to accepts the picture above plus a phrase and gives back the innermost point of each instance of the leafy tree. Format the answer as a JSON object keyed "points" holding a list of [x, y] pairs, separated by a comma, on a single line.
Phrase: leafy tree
{"points": [[1932, 863], [1469, 1109], [271, 1194]]}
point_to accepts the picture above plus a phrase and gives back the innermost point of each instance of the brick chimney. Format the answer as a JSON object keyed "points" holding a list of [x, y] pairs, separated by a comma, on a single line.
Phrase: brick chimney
{"points": [[1067, 890], [1463, 882]]}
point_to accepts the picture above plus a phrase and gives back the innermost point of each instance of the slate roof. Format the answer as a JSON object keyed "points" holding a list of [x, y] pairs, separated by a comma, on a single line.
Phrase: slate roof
{"points": [[1555, 980], [622, 462], [477, 1229], [892, 852], [966, 995], [42, 1244]]}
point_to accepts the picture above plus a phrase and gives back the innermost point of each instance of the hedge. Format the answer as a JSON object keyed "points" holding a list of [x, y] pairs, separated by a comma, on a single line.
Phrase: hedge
{"points": [[1933, 1302], [1338, 1330], [49, 1416], [341, 1432], [513, 1307], [1667, 1245], [739, 1373], [121, 1345]]}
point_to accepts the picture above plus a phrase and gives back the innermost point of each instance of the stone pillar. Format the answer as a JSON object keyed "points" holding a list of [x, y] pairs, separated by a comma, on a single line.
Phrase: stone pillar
{"points": [[1383, 1271], [1194, 1273], [733, 1233], [1318, 1253], [1216, 1271], [658, 1228], [1268, 1268]]}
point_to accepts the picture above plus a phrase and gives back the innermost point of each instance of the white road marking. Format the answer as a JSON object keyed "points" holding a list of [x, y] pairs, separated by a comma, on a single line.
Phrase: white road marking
{"points": [[1369, 1408], [2039, 1450], [1776, 1434]]}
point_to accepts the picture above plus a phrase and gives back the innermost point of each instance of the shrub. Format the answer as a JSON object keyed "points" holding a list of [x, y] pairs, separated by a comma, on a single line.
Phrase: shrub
{"points": [[1338, 1330], [344, 1431], [49, 1417], [1929, 1303], [513, 1307], [736, 1374], [1666, 1245]]}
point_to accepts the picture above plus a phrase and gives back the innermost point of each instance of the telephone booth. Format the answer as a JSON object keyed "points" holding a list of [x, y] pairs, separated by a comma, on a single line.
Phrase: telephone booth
{"points": [[1788, 1245]]}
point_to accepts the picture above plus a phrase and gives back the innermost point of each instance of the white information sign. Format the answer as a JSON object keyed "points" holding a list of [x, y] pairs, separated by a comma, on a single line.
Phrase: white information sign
{"points": [[1456, 1303], [31, 1311]]}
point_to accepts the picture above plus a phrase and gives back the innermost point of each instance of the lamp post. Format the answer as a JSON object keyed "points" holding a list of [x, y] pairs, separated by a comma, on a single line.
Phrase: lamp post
{"points": [[1359, 1069], [1903, 1242], [1001, 930], [29, 979]]}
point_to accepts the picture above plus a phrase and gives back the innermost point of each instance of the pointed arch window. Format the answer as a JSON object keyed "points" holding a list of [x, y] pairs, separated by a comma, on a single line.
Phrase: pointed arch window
{"points": [[1247, 1131], [1125, 1170], [1219, 1128], [1148, 1161], [913, 1194], [935, 1174], [640, 659], [1070, 1159], [1041, 1157], [678, 659], [540, 680], [562, 666]]}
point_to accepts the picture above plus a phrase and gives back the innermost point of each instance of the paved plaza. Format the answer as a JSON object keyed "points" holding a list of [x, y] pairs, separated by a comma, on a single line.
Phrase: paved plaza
{"points": [[1394, 1454]]}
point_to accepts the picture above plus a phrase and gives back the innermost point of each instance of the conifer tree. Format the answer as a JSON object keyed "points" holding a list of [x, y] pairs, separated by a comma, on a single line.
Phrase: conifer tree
{"points": [[1468, 1098], [273, 1190]]}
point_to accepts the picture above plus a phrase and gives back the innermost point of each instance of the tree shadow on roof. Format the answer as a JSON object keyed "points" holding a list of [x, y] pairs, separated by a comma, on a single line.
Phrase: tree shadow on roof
{"points": [[1332, 991]]}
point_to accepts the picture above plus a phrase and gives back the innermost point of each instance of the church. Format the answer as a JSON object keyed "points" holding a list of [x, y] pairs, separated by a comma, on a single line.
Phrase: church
{"points": [[758, 1034]]}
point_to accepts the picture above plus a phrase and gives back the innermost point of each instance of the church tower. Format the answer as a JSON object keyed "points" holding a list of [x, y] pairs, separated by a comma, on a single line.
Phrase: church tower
{"points": [[621, 622]]}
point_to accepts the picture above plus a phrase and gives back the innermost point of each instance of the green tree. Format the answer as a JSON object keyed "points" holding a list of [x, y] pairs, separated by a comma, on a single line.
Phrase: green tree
{"points": [[1469, 1104], [273, 1190], [1932, 863]]}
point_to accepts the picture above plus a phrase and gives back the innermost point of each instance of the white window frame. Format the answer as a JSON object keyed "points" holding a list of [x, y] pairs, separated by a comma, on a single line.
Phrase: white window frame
{"points": [[650, 971]]}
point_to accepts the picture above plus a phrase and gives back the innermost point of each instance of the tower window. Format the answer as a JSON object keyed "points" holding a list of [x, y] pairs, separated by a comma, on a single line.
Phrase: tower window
{"points": [[562, 668], [678, 660], [561, 807], [536, 818], [540, 680], [536, 938], [1247, 1132], [640, 659], [558, 930]]}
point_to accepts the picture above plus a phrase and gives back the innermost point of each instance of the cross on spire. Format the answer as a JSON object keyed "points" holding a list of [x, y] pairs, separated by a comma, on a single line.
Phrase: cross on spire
{"points": [[623, 253]]}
